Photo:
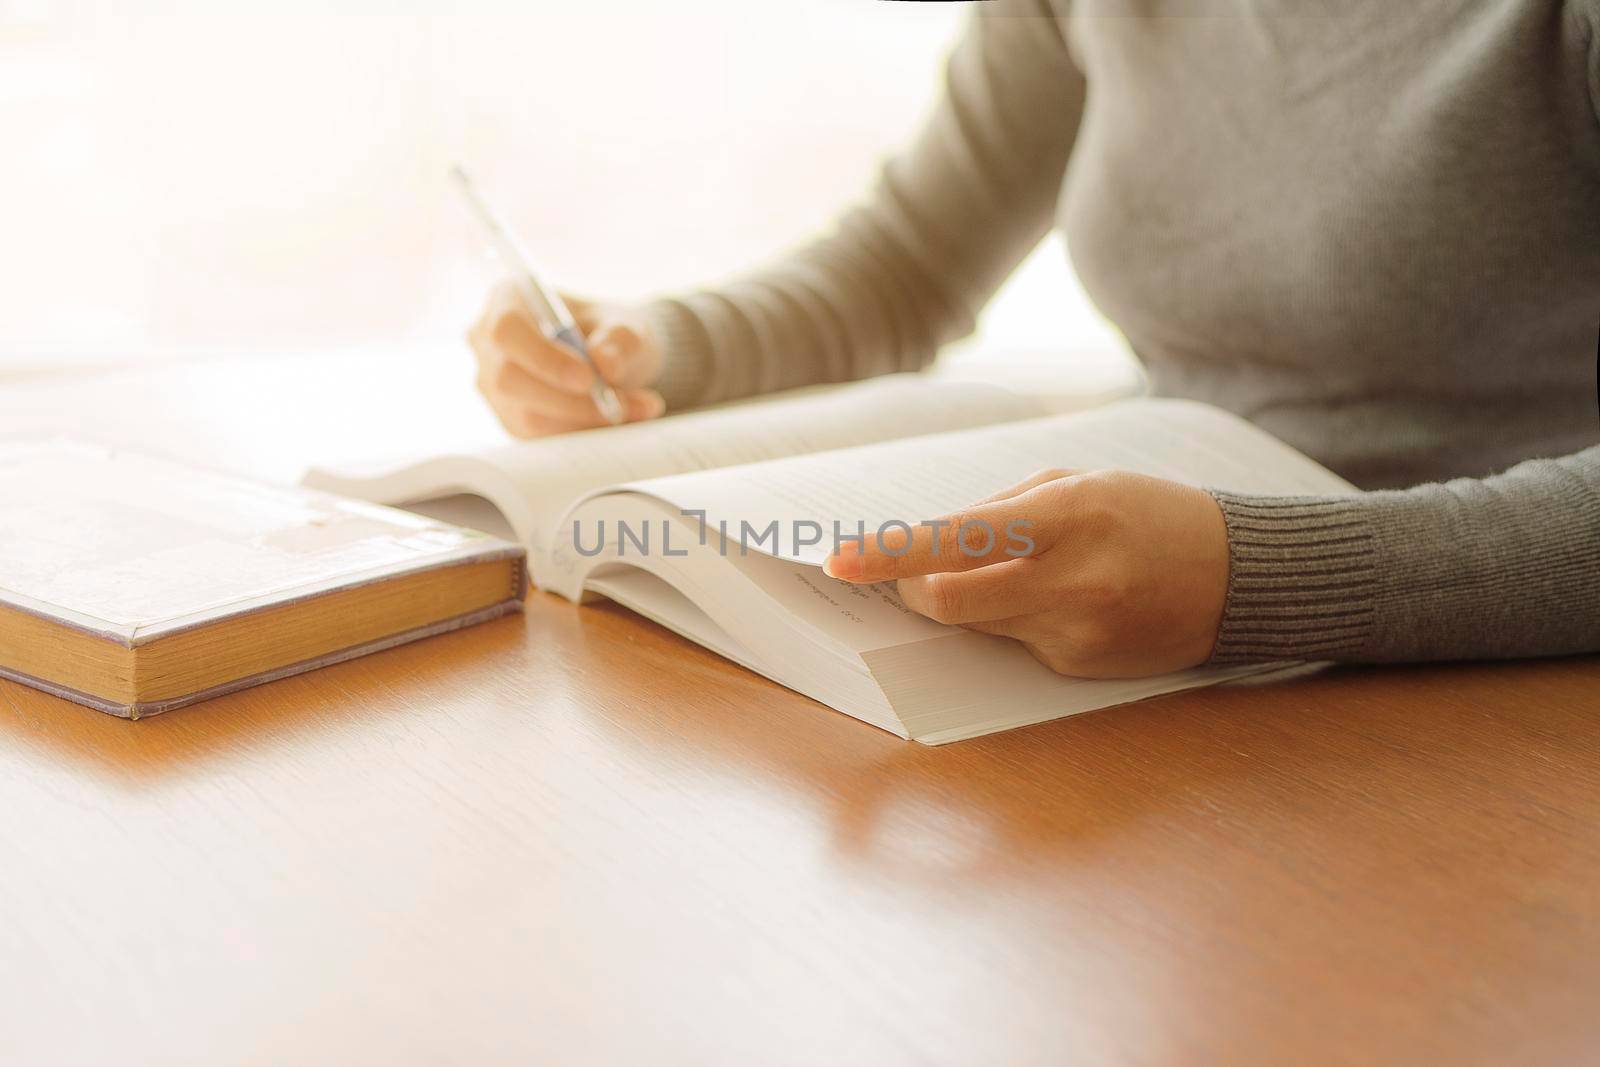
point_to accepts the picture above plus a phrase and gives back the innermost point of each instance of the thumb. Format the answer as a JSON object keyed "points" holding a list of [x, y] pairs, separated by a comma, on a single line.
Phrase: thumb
{"points": [[981, 535], [627, 355]]}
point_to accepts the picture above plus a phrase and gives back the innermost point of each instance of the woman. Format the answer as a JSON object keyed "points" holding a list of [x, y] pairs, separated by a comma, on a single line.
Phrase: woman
{"points": [[1374, 232]]}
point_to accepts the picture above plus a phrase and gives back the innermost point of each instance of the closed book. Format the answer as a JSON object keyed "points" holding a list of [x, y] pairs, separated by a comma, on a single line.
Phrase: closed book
{"points": [[134, 585]]}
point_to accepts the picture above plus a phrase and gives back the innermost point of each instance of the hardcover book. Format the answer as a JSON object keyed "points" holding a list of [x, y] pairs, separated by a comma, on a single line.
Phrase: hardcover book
{"points": [[134, 585]]}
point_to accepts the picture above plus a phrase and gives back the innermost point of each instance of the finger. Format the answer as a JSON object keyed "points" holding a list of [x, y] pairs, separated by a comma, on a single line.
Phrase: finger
{"points": [[528, 407], [522, 421], [507, 392], [510, 384], [619, 351], [577, 412], [979, 536], [513, 335], [1002, 591], [641, 404], [1032, 481], [580, 413]]}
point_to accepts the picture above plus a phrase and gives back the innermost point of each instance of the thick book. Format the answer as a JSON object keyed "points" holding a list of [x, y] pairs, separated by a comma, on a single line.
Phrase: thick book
{"points": [[693, 521], [135, 585]]}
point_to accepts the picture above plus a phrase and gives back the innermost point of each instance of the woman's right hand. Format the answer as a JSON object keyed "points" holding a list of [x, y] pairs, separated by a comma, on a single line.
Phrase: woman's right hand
{"points": [[537, 386]]}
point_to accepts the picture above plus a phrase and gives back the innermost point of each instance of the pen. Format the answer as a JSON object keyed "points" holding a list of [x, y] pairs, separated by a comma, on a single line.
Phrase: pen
{"points": [[546, 305]]}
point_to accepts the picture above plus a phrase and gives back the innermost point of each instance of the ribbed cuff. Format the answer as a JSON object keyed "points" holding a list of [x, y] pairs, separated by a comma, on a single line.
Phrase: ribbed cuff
{"points": [[1302, 578], [686, 354], [1594, 61]]}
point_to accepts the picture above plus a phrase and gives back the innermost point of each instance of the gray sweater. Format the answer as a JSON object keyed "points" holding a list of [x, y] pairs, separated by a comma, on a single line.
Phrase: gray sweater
{"points": [[1373, 231]]}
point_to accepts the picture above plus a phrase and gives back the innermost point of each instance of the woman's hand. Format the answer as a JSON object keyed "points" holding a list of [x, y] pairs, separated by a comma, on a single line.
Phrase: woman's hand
{"points": [[537, 386], [1126, 576]]}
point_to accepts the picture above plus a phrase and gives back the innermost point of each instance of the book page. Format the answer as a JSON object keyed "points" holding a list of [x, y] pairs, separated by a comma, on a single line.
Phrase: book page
{"points": [[858, 618], [549, 475], [913, 479]]}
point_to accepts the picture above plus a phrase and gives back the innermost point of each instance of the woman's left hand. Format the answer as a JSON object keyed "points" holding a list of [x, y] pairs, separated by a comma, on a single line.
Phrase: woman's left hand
{"points": [[1127, 575]]}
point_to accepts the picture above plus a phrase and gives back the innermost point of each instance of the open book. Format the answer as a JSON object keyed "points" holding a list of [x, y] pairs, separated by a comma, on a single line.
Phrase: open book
{"points": [[715, 524]]}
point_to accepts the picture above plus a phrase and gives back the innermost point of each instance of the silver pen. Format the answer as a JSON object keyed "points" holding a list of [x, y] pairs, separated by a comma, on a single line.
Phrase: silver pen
{"points": [[546, 305]]}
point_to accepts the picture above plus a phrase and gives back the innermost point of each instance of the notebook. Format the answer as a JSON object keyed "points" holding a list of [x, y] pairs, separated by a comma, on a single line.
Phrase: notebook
{"points": [[134, 585], [673, 519]]}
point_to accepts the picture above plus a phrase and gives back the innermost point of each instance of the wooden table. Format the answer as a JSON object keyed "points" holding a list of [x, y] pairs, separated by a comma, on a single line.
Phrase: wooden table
{"points": [[573, 838]]}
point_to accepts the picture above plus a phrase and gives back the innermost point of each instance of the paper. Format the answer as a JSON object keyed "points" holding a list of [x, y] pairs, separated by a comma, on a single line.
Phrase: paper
{"points": [[911, 480], [534, 482]]}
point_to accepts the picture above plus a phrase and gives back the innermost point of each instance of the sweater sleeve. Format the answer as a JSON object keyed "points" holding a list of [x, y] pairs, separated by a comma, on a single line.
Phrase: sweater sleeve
{"points": [[1594, 56], [1501, 567], [907, 271]]}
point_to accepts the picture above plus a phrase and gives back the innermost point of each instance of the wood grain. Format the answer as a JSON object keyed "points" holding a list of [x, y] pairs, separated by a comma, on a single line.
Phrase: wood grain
{"points": [[573, 838]]}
